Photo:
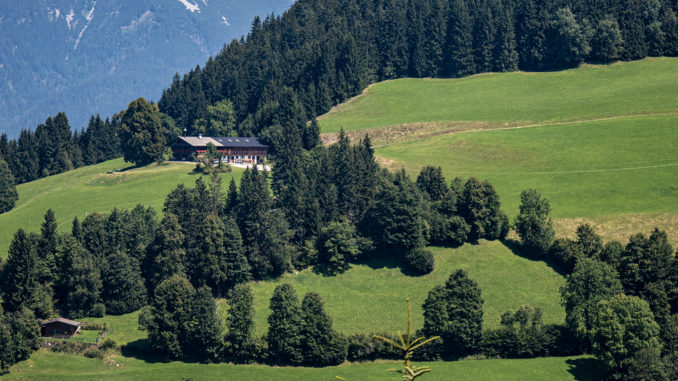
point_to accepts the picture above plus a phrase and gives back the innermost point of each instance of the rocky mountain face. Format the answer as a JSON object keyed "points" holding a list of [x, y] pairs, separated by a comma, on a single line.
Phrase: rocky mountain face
{"points": [[85, 57]]}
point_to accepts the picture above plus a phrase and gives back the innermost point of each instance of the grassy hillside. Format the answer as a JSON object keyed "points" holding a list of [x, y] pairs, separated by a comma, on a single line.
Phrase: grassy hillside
{"points": [[45, 365], [371, 297], [93, 188], [589, 92], [590, 169], [600, 142]]}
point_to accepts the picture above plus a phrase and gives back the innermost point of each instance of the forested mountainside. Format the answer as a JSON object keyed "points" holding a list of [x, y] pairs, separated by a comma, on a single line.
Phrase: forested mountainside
{"points": [[329, 50], [88, 57]]}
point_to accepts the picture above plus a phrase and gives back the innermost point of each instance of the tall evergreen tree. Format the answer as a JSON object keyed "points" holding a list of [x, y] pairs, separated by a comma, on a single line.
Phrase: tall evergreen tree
{"points": [[8, 192], [20, 273], [459, 43], [123, 288], [237, 269], [83, 287], [231, 199], [284, 323], [47, 247], [167, 255], [395, 220], [432, 182], [239, 341], [320, 344], [205, 330], [479, 206]]}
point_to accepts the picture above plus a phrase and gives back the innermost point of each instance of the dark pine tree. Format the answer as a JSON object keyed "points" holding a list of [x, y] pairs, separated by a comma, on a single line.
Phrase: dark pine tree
{"points": [[239, 341], [8, 192], [123, 288], [284, 324], [321, 345]]}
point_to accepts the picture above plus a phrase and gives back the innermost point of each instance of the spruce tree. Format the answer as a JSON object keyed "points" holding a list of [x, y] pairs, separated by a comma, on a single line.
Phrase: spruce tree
{"points": [[8, 192], [237, 269], [284, 323], [321, 345], [239, 341], [432, 182], [94, 234], [76, 229], [459, 55], [123, 288], [20, 273], [505, 55], [167, 254], [396, 219], [83, 287], [47, 246], [207, 260], [205, 332], [231, 199]]}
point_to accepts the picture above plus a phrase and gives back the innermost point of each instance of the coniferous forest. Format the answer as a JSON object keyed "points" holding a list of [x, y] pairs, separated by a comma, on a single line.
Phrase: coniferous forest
{"points": [[328, 207]]}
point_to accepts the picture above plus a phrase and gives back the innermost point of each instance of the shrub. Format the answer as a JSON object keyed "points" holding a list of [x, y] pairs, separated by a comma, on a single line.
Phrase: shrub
{"points": [[94, 354], [98, 310], [362, 347], [108, 344], [419, 261]]}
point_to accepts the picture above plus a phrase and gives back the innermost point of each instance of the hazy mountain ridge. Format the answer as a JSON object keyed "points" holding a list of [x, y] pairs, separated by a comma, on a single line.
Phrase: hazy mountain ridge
{"points": [[93, 56]]}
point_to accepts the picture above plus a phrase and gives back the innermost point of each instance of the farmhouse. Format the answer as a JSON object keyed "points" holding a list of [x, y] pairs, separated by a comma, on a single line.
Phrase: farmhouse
{"points": [[232, 150], [59, 328]]}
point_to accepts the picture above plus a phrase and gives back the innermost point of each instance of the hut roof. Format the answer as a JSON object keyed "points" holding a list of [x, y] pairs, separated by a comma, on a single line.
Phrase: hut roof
{"points": [[62, 320]]}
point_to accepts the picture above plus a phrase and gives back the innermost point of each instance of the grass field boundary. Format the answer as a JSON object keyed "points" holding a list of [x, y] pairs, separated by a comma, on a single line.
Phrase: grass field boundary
{"points": [[522, 126]]}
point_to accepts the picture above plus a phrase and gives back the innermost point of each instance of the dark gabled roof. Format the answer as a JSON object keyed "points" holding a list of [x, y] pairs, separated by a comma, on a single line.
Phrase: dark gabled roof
{"points": [[238, 142], [62, 320]]}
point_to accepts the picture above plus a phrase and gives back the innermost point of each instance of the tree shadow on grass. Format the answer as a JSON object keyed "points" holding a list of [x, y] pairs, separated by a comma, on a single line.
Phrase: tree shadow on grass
{"points": [[382, 261], [586, 369], [518, 249], [140, 350]]}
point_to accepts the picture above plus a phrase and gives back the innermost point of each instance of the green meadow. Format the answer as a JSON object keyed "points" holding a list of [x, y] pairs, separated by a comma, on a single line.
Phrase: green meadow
{"points": [[370, 297], [590, 92], [44, 365], [94, 189], [591, 169]]}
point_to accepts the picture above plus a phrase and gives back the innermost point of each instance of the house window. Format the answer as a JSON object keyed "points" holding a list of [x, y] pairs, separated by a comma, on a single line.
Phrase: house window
{"points": [[56, 331]]}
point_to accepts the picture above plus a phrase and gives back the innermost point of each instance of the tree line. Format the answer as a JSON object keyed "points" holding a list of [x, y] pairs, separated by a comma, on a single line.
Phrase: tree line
{"points": [[609, 286], [328, 51]]}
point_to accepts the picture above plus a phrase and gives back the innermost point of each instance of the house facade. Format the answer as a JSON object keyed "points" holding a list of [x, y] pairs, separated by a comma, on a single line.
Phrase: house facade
{"points": [[59, 328], [231, 149]]}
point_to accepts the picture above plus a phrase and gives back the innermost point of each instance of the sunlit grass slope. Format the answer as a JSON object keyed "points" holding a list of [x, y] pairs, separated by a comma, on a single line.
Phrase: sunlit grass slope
{"points": [[93, 189], [589, 92], [45, 365], [371, 298], [592, 169]]}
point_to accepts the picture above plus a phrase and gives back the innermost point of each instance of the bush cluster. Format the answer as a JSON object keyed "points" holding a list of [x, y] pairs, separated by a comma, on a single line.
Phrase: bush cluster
{"points": [[419, 261]]}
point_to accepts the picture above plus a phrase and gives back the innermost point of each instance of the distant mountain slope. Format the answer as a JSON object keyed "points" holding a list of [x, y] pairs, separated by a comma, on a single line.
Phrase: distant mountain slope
{"points": [[94, 56]]}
